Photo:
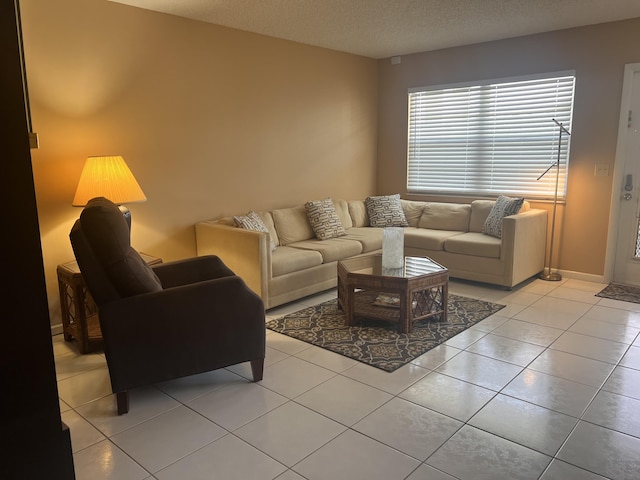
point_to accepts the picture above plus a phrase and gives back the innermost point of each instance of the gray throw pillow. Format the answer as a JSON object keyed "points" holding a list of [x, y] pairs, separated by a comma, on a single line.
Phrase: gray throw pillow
{"points": [[385, 211], [503, 207], [324, 219]]}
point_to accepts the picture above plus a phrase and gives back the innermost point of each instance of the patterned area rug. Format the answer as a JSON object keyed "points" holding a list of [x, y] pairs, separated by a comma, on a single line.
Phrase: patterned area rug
{"points": [[621, 292], [378, 343]]}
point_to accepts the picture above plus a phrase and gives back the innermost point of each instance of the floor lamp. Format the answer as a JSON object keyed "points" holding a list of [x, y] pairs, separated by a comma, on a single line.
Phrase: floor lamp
{"points": [[547, 274]]}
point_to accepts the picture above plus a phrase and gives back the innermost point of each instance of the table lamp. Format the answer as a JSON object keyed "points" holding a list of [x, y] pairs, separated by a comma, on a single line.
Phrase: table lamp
{"points": [[109, 177]]}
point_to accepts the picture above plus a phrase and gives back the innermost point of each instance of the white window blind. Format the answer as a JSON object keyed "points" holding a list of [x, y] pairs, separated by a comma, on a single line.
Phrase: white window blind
{"points": [[490, 139]]}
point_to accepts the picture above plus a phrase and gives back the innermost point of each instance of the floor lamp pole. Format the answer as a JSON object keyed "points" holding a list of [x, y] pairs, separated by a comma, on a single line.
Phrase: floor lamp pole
{"points": [[547, 274]]}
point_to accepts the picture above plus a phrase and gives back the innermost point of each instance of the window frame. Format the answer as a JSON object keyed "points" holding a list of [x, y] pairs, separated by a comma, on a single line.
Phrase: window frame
{"points": [[455, 157]]}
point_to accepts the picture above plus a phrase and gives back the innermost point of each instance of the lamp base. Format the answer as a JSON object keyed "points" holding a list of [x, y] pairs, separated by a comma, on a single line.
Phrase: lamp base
{"points": [[126, 213], [550, 276]]}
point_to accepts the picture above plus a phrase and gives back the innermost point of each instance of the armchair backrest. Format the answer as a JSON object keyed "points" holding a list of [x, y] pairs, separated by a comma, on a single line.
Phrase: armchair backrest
{"points": [[101, 243]]}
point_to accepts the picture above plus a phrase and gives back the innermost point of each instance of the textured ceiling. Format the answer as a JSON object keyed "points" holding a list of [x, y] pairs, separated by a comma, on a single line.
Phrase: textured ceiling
{"points": [[384, 28]]}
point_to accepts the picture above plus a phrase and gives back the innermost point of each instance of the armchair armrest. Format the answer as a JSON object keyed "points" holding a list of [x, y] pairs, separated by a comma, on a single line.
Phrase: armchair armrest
{"points": [[191, 270]]}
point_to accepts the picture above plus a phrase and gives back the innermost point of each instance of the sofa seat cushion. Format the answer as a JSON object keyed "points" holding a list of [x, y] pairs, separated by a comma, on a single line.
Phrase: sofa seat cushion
{"points": [[427, 239], [473, 243], [287, 260], [331, 249], [369, 237]]}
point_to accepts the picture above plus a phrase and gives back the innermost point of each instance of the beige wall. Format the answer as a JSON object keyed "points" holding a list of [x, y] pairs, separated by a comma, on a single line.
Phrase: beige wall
{"points": [[215, 121], [212, 121], [596, 53]]}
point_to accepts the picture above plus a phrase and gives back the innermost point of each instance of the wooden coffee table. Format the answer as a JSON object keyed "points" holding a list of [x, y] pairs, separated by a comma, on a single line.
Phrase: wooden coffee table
{"points": [[404, 295]]}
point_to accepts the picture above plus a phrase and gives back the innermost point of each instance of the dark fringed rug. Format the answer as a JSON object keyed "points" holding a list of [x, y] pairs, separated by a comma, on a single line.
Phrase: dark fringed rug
{"points": [[375, 342], [621, 292]]}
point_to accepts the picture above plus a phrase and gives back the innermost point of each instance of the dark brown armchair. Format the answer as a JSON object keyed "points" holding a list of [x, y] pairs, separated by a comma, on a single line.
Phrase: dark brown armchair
{"points": [[167, 321]]}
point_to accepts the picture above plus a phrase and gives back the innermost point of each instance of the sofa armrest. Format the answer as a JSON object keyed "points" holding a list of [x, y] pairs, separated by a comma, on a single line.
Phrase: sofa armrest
{"points": [[524, 241], [246, 252]]}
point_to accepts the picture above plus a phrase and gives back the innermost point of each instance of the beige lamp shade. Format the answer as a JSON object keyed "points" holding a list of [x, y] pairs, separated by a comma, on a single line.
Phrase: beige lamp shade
{"points": [[107, 177]]}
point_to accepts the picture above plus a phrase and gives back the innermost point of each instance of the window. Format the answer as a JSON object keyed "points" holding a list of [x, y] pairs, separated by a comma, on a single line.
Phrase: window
{"points": [[489, 139]]}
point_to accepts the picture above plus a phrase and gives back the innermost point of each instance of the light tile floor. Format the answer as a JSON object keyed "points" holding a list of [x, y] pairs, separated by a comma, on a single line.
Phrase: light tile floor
{"points": [[548, 388]]}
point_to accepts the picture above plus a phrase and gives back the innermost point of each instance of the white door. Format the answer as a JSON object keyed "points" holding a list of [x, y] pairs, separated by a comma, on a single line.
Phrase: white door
{"points": [[626, 186]]}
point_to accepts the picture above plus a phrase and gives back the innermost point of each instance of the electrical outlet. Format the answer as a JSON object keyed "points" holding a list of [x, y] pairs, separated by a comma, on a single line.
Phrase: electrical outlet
{"points": [[601, 170]]}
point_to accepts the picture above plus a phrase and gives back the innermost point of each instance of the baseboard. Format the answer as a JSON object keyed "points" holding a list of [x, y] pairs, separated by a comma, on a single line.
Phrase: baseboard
{"points": [[587, 277]]}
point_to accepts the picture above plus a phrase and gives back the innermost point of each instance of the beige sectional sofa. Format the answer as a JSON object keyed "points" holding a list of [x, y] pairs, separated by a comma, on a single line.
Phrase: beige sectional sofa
{"points": [[288, 262]]}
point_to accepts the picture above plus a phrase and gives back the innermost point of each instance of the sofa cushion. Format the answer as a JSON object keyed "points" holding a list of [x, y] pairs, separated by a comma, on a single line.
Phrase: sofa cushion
{"points": [[287, 260], [324, 219], [292, 225], [358, 213], [252, 221], [331, 249], [445, 216], [412, 211], [267, 219], [369, 237], [385, 211], [427, 239], [503, 207], [479, 212], [342, 209], [474, 244]]}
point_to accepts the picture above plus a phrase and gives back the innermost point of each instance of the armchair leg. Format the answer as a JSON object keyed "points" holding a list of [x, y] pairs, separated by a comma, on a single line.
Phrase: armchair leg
{"points": [[122, 400], [257, 367]]}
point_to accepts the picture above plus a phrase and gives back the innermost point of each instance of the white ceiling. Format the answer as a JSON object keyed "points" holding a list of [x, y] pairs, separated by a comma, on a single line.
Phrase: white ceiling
{"points": [[384, 28]]}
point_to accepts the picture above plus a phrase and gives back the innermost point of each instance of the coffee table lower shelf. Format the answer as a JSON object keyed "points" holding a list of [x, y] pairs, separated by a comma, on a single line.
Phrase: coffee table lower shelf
{"points": [[366, 305]]}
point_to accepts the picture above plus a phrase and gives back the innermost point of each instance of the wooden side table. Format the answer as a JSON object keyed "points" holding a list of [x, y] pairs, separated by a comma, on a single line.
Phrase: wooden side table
{"points": [[79, 311]]}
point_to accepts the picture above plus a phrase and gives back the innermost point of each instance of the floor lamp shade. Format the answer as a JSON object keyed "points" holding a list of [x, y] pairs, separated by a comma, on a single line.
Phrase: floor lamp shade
{"points": [[109, 177]]}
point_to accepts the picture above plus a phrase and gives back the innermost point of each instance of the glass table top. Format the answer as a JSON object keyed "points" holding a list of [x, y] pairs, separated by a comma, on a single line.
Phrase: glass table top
{"points": [[372, 265]]}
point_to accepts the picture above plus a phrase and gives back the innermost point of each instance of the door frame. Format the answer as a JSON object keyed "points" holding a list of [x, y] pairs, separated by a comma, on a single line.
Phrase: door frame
{"points": [[618, 170]]}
